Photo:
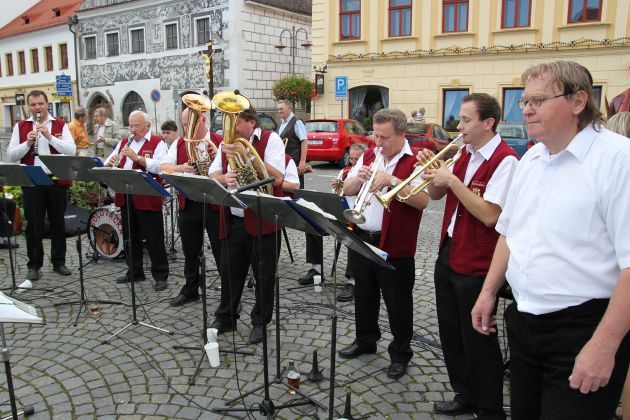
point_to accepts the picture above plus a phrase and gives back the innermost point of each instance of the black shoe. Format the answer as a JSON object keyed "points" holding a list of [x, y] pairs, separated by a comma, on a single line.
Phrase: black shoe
{"points": [[160, 285], [397, 370], [33, 274], [181, 300], [222, 327], [347, 294], [452, 408], [125, 279], [308, 278], [62, 269], [256, 335], [355, 350]]}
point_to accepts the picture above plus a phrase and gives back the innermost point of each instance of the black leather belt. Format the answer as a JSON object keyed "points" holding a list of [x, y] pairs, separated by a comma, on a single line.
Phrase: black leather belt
{"points": [[366, 234]]}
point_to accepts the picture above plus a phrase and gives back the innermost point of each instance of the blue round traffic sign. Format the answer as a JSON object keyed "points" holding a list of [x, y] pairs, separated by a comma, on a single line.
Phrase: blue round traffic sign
{"points": [[155, 95]]}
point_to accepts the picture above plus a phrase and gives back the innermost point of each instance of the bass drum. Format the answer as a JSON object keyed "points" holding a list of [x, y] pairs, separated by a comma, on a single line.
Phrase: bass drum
{"points": [[105, 232]]}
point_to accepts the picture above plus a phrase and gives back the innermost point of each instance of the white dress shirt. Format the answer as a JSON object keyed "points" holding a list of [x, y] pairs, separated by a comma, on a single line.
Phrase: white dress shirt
{"points": [[153, 164], [291, 173], [171, 156], [274, 156], [64, 145], [497, 187], [374, 211], [566, 222]]}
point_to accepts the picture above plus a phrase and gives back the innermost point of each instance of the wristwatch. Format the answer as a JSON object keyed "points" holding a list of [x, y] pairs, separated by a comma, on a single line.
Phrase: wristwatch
{"points": [[394, 182]]}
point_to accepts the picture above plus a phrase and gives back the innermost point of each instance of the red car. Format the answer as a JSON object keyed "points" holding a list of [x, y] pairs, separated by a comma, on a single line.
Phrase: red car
{"points": [[427, 136], [330, 139]]}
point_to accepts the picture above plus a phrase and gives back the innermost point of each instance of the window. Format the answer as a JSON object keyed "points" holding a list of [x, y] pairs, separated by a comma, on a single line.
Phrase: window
{"points": [[35, 60], [450, 107], [9, 61], [350, 19], [112, 44], [455, 16], [585, 10], [171, 35], [511, 110], [49, 58], [597, 95], [63, 56], [90, 47], [132, 102], [203, 31], [137, 40], [21, 62], [516, 13], [399, 17]]}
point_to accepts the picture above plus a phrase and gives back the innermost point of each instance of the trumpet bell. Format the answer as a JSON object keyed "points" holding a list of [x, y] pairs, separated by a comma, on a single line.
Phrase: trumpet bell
{"points": [[354, 216], [230, 103], [199, 103]]}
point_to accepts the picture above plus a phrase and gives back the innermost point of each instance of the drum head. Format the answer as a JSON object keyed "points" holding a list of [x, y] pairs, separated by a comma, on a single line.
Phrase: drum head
{"points": [[105, 232]]}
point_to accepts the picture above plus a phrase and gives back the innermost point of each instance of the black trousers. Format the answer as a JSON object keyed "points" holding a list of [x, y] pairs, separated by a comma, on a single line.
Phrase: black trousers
{"points": [[7, 214], [190, 222], [314, 249], [149, 226], [543, 350], [240, 249], [396, 286], [473, 361], [39, 201]]}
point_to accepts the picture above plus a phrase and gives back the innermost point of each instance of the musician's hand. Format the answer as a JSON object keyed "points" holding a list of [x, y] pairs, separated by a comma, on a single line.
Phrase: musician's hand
{"points": [[30, 137], [231, 150], [126, 151], [381, 180], [482, 319], [185, 168], [231, 180], [440, 177], [43, 130], [423, 156], [364, 173], [334, 182], [302, 168]]}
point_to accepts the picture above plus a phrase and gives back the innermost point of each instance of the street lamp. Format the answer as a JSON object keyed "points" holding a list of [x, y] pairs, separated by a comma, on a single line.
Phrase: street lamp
{"points": [[320, 70], [293, 35], [73, 21]]}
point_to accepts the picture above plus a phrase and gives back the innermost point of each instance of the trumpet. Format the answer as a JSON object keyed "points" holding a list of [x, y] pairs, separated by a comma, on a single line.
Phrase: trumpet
{"points": [[386, 198], [338, 185], [365, 197]]}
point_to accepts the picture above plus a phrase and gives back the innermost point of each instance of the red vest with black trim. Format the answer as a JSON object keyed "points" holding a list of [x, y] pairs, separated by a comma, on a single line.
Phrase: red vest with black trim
{"points": [[344, 172], [56, 129], [472, 245], [399, 231], [182, 157], [141, 202], [251, 219]]}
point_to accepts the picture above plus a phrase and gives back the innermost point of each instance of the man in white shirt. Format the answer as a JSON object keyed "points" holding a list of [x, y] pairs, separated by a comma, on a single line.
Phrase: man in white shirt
{"points": [[142, 151], [475, 191], [564, 250], [240, 241], [42, 134]]}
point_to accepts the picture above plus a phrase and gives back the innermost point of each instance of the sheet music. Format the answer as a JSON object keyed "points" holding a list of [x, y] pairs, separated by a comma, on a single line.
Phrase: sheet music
{"points": [[378, 251], [312, 206], [12, 310]]}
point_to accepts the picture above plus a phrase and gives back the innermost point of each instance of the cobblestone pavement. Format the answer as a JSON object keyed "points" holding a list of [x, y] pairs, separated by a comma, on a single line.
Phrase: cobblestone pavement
{"points": [[67, 372]]}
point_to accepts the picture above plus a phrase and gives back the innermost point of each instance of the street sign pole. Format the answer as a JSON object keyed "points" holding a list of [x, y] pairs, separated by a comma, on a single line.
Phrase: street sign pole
{"points": [[342, 108]]}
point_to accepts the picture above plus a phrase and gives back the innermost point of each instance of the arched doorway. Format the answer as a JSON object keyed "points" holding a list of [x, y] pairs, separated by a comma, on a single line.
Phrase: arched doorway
{"points": [[365, 101], [98, 101], [132, 102]]}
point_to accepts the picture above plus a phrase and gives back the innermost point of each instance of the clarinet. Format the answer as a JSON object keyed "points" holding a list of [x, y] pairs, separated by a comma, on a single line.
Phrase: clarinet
{"points": [[36, 129]]}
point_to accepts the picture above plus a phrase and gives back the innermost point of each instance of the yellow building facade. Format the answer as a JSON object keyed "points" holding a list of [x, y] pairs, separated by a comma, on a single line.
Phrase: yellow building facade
{"points": [[413, 54]]}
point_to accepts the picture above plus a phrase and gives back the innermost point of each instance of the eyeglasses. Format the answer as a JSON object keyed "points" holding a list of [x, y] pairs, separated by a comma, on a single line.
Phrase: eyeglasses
{"points": [[537, 102]]}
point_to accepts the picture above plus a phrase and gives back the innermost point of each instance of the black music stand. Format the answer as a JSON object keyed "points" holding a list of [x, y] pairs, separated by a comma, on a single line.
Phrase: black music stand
{"points": [[201, 189], [14, 311], [76, 168], [277, 211], [344, 236], [19, 176], [128, 182]]}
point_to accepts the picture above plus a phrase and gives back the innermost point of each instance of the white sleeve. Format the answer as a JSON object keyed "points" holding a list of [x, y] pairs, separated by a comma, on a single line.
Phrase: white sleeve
{"points": [[291, 174], [217, 163], [16, 150], [65, 145], [274, 152], [113, 153], [498, 185], [171, 156], [153, 164]]}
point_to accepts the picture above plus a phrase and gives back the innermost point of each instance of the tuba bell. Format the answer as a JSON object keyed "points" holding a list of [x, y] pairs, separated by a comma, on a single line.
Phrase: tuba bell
{"points": [[252, 168], [198, 159]]}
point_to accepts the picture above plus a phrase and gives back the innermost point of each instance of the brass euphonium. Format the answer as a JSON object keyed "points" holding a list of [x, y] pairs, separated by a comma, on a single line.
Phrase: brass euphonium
{"points": [[252, 168], [198, 159]]}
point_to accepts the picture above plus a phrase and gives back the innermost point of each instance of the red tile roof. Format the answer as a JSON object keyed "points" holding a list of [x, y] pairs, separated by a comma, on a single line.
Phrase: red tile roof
{"points": [[41, 15]]}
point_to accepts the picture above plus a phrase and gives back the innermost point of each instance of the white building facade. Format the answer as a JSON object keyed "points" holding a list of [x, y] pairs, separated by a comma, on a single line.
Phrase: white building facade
{"points": [[130, 50]]}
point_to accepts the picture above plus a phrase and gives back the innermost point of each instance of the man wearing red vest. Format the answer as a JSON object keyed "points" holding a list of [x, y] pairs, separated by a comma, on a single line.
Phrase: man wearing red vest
{"points": [[31, 138], [395, 232], [475, 193], [142, 151], [190, 214], [240, 242]]}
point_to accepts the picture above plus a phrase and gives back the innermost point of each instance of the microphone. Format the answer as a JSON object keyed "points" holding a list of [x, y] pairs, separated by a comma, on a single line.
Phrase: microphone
{"points": [[254, 185]]}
